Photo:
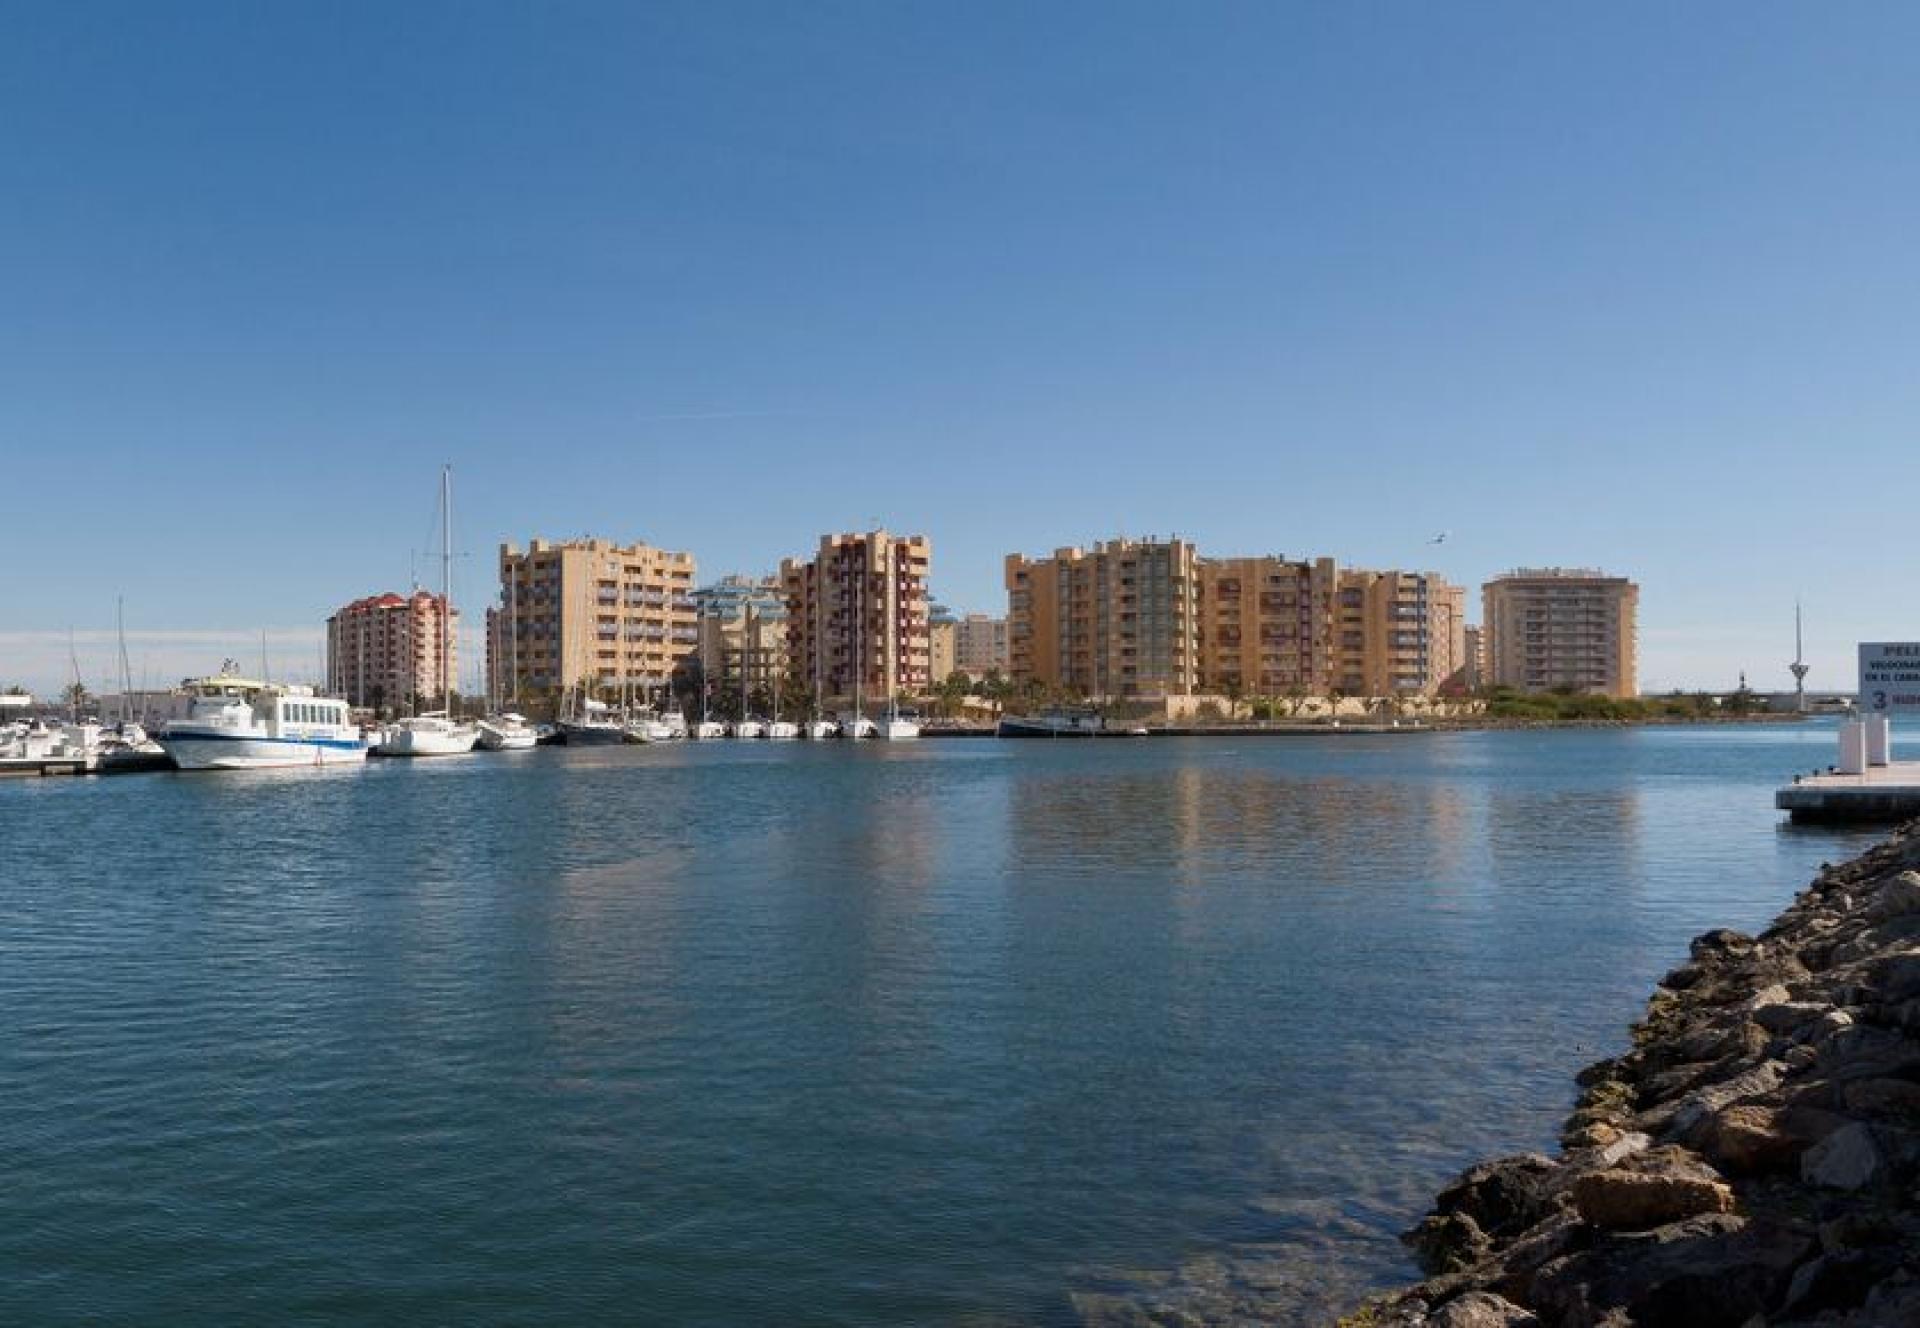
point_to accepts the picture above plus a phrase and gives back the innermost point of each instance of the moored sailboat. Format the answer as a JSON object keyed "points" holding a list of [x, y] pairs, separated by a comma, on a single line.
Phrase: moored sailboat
{"points": [[437, 732]]}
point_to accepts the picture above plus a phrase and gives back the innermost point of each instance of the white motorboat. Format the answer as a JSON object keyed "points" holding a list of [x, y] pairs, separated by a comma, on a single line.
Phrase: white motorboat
{"points": [[820, 729], [669, 727], [781, 730], [896, 728], [508, 733], [749, 728], [707, 730], [859, 727], [237, 723], [433, 734]]}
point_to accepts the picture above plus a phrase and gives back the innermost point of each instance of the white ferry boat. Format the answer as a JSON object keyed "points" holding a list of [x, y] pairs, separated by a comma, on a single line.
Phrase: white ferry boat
{"points": [[237, 723]]}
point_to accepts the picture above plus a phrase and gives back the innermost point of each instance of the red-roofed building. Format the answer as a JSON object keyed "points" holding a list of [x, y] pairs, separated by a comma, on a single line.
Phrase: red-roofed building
{"points": [[384, 651]]}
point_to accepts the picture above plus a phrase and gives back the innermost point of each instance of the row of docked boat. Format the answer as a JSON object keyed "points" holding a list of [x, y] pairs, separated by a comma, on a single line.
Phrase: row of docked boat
{"points": [[596, 724], [83, 745], [237, 723]]}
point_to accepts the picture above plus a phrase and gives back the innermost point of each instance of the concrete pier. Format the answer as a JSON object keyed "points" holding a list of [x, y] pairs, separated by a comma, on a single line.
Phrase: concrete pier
{"points": [[1888, 792]]}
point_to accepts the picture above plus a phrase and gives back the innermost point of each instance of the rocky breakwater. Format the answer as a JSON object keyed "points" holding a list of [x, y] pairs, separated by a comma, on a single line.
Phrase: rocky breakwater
{"points": [[1753, 1160]]}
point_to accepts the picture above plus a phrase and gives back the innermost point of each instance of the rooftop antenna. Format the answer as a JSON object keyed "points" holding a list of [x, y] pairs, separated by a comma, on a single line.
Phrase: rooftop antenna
{"points": [[1799, 666]]}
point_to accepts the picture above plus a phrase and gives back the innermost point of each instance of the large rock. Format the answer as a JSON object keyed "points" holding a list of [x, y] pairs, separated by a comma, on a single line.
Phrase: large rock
{"points": [[1897, 897], [1847, 1159], [1482, 1309], [1883, 1097], [1697, 1106], [1747, 1139], [1717, 1271], [1664, 1190], [1898, 977]]}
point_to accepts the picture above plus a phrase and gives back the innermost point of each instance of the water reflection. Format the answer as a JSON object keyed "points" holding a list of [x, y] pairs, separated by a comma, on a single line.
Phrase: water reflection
{"points": [[936, 1034]]}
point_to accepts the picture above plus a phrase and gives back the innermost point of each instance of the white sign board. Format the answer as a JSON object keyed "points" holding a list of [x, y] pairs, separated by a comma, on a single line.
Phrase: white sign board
{"points": [[1890, 677]]}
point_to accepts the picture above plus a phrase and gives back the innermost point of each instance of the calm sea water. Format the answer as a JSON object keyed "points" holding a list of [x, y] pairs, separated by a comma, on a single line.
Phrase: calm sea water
{"points": [[949, 1033]]}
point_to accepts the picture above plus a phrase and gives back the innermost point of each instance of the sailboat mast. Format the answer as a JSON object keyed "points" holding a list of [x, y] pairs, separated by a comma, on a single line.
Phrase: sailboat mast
{"points": [[126, 671], [746, 647], [446, 589], [860, 637]]}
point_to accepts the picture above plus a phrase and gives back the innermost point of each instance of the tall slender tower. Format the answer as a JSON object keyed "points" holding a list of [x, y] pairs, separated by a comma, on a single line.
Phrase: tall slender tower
{"points": [[1799, 666]]}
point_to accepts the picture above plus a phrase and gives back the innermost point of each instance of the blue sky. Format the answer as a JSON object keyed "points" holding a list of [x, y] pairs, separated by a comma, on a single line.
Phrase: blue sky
{"points": [[1626, 285]]}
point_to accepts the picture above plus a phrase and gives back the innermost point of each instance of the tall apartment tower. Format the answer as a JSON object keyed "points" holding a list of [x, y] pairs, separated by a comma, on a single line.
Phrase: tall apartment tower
{"points": [[1119, 619], [385, 651], [1553, 627], [591, 613], [857, 615], [1397, 633], [1268, 625]]}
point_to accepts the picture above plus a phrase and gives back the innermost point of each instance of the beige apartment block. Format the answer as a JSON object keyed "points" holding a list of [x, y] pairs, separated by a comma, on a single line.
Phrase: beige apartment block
{"points": [[1267, 626], [857, 616], [1554, 627], [1473, 669], [743, 629], [1119, 619], [1397, 633], [943, 648], [385, 651], [980, 645], [609, 617]]}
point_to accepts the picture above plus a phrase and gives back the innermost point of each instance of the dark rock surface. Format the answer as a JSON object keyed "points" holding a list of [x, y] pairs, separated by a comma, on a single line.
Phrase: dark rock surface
{"points": [[1752, 1160]]}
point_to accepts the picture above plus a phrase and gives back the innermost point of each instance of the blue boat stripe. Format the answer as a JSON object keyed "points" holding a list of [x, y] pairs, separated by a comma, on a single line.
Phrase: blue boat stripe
{"points": [[341, 744]]}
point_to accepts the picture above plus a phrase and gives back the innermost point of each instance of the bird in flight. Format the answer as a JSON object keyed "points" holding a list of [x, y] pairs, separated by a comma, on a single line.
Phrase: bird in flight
{"points": [[1441, 538]]}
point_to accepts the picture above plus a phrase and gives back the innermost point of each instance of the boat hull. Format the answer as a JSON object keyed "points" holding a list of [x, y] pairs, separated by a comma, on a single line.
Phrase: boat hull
{"points": [[209, 751], [404, 743], [899, 730], [780, 731], [508, 740], [592, 735]]}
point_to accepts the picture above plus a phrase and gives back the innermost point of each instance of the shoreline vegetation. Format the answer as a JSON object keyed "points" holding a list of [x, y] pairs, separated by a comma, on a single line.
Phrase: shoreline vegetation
{"points": [[1750, 1160]]}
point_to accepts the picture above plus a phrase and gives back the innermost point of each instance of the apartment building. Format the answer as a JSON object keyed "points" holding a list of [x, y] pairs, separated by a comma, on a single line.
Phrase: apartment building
{"points": [[389, 651], [857, 615], [1397, 633], [1267, 625], [742, 627], [1553, 627], [942, 643], [1473, 669], [1119, 619], [607, 617], [980, 645]]}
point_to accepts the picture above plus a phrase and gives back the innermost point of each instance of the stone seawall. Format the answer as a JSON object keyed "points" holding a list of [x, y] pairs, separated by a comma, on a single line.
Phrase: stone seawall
{"points": [[1751, 1161]]}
